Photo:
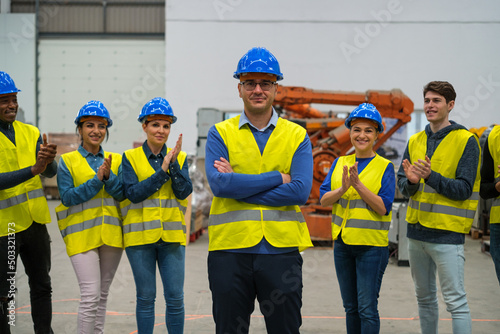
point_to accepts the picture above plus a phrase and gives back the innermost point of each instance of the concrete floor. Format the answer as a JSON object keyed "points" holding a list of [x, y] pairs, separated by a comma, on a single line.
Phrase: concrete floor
{"points": [[322, 305]]}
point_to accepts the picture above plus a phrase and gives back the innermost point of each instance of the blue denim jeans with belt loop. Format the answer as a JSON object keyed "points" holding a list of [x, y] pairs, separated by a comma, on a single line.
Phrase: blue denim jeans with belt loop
{"points": [[170, 258], [448, 261], [359, 272]]}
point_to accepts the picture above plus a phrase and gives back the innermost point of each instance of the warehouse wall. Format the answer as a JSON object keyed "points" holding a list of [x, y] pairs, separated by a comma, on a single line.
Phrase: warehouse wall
{"points": [[17, 57], [335, 45], [321, 44], [123, 74]]}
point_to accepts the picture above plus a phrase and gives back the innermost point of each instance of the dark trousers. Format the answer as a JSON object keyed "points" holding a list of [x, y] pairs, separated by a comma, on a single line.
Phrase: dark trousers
{"points": [[236, 279], [33, 246]]}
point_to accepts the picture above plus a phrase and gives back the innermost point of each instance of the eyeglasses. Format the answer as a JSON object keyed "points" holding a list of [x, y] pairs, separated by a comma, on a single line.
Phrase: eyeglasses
{"points": [[251, 85]]}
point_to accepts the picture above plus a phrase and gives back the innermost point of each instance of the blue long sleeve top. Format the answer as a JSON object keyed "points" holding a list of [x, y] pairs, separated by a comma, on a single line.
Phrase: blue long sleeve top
{"points": [[71, 195], [137, 191], [386, 191], [14, 178], [265, 188], [459, 188]]}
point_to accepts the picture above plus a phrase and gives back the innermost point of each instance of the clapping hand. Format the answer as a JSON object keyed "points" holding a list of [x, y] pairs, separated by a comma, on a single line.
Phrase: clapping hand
{"points": [[420, 170], [105, 169], [46, 154], [172, 154]]}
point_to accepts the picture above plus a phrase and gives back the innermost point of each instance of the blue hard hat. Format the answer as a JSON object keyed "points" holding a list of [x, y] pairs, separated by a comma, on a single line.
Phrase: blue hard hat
{"points": [[94, 108], [367, 111], [7, 85], [258, 60], [157, 106]]}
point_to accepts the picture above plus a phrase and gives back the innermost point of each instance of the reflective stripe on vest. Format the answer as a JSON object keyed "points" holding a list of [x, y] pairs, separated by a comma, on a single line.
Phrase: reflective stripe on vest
{"points": [[436, 208], [7, 203], [360, 223], [153, 203], [88, 224], [245, 215], [444, 209], [92, 204], [235, 224], [144, 226], [427, 206]]}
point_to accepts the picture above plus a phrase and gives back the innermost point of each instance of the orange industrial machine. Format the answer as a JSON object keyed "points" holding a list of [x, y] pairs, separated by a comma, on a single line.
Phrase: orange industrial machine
{"points": [[329, 136]]}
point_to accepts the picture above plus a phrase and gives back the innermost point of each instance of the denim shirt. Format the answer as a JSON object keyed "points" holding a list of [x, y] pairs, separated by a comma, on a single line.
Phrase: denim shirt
{"points": [[137, 191], [71, 195]]}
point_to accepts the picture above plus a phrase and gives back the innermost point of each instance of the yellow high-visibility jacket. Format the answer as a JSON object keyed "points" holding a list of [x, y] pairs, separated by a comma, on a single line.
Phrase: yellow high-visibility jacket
{"points": [[494, 148], [434, 210], [360, 224], [235, 224], [25, 203], [94, 223], [161, 215]]}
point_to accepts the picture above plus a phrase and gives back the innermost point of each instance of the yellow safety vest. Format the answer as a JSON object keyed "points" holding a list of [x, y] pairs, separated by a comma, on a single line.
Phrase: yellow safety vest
{"points": [[434, 210], [360, 224], [26, 202], [235, 224], [161, 215], [94, 223], [494, 147]]}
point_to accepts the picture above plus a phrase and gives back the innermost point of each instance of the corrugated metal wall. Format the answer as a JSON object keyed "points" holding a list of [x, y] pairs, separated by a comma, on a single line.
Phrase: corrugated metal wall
{"points": [[97, 17]]}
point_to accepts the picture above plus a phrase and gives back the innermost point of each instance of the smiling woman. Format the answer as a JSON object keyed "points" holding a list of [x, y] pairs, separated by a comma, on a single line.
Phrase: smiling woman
{"points": [[89, 216], [93, 131], [360, 188], [156, 184]]}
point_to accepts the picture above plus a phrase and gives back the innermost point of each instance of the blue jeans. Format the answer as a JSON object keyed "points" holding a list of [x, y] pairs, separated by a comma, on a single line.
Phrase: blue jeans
{"points": [[359, 271], [236, 279], [33, 246], [495, 247], [448, 260], [170, 258]]}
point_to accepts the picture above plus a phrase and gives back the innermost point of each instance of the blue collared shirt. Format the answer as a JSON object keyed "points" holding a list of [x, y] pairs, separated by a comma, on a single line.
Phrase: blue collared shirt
{"points": [[71, 195], [137, 191], [272, 122]]}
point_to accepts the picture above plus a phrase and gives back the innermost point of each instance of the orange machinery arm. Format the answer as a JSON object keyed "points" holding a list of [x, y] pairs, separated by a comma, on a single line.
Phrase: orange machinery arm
{"points": [[328, 134], [390, 104]]}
